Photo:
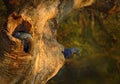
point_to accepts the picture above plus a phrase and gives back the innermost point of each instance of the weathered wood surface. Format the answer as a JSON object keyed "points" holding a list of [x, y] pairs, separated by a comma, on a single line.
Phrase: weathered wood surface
{"points": [[44, 59]]}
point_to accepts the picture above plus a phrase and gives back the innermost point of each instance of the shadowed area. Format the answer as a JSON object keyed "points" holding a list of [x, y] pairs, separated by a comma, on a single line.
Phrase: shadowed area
{"points": [[97, 36]]}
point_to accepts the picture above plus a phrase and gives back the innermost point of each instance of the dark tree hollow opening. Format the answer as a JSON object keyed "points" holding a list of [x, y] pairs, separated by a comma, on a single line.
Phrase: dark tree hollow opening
{"points": [[27, 46], [23, 33]]}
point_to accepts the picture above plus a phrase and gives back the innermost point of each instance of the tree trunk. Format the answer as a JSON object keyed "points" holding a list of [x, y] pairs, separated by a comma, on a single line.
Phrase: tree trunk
{"points": [[44, 57]]}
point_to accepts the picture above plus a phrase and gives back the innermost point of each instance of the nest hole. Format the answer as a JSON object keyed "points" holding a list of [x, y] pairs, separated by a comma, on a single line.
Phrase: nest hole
{"points": [[25, 26], [23, 33]]}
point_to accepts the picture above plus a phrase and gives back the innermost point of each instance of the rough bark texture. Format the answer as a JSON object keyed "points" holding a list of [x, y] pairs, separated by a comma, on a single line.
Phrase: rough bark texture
{"points": [[44, 58]]}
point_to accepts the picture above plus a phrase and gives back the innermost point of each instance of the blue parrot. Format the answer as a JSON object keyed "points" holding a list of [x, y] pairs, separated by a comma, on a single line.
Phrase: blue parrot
{"points": [[68, 52], [22, 35], [25, 38]]}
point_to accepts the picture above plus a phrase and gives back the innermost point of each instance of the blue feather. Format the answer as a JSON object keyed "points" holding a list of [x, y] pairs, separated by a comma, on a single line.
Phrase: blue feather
{"points": [[68, 52]]}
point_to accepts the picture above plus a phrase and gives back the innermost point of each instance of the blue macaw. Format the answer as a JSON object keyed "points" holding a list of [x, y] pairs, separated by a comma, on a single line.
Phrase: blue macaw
{"points": [[68, 52], [25, 38], [22, 35]]}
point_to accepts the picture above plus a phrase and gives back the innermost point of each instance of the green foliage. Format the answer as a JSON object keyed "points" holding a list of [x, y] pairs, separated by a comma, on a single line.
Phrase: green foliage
{"points": [[99, 45]]}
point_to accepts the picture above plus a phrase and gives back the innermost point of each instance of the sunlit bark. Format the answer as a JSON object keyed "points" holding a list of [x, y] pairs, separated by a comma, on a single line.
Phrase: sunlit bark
{"points": [[39, 18]]}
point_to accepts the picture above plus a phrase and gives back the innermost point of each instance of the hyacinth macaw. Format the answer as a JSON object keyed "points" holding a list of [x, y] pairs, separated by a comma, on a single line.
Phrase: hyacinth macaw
{"points": [[22, 35], [68, 52], [25, 38]]}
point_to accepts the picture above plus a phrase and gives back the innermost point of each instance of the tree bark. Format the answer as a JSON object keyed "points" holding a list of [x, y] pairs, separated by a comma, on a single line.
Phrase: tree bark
{"points": [[39, 18]]}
